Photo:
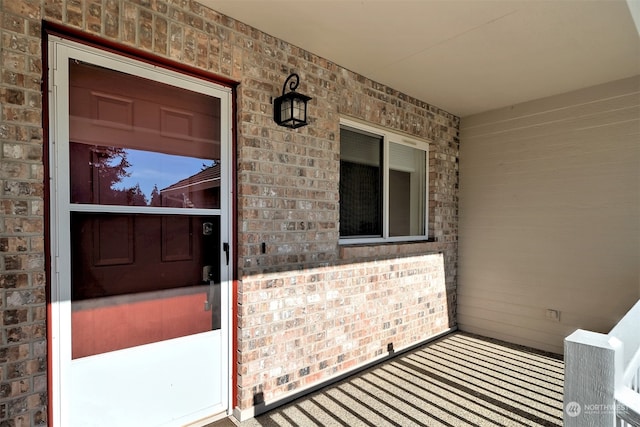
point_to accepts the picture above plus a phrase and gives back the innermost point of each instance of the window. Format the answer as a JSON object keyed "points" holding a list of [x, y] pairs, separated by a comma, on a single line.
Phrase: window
{"points": [[383, 185]]}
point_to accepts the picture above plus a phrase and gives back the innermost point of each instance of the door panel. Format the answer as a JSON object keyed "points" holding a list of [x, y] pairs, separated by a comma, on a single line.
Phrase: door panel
{"points": [[138, 279], [151, 266], [111, 108], [160, 384]]}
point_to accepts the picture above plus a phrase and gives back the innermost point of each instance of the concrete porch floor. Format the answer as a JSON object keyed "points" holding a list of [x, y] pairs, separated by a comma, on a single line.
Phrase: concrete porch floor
{"points": [[457, 380]]}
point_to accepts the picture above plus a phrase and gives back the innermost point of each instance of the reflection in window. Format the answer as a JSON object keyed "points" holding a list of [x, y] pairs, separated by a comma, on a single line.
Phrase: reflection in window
{"points": [[360, 184], [139, 279], [121, 176], [407, 179], [383, 185], [138, 142]]}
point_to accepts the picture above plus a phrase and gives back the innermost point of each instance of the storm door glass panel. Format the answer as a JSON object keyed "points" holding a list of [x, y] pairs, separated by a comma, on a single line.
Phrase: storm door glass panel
{"points": [[139, 273], [108, 175], [136, 142], [360, 184], [138, 279], [407, 190]]}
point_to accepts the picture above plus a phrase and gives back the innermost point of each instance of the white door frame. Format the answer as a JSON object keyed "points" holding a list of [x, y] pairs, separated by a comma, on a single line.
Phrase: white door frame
{"points": [[59, 51]]}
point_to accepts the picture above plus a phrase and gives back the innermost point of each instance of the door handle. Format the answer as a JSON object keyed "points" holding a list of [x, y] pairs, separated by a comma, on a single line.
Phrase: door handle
{"points": [[225, 248]]}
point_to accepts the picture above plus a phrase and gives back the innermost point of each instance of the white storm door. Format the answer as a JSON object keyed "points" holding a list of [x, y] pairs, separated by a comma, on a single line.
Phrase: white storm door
{"points": [[140, 242]]}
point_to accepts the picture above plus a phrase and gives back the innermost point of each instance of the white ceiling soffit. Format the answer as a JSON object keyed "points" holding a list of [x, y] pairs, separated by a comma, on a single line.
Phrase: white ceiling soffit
{"points": [[464, 56]]}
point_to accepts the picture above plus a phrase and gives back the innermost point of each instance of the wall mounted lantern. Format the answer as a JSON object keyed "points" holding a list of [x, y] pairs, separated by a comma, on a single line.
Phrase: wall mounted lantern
{"points": [[290, 109]]}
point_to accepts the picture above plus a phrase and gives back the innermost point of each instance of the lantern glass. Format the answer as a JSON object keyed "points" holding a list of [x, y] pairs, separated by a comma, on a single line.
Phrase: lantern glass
{"points": [[298, 109], [290, 109], [285, 110]]}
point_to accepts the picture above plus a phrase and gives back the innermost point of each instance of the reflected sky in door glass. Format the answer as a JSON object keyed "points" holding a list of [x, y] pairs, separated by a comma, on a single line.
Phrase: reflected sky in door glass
{"points": [[150, 169], [122, 176]]}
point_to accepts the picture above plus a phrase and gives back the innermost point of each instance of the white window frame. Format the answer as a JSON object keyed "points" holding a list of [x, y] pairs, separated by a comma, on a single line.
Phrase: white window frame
{"points": [[387, 137]]}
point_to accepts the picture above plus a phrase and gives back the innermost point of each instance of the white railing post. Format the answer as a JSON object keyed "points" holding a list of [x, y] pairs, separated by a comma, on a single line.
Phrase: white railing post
{"points": [[591, 362], [626, 330]]}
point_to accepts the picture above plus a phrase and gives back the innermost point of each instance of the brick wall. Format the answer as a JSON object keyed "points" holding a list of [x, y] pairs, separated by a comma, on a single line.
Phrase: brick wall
{"points": [[23, 381], [305, 306], [297, 328], [309, 309]]}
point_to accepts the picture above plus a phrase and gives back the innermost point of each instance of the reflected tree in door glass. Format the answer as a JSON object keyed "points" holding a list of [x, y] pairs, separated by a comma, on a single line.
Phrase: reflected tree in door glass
{"points": [[111, 167], [119, 176]]}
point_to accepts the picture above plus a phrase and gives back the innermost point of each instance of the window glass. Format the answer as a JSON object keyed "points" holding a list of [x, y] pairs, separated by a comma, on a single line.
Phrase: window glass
{"points": [[407, 179], [141, 276], [137, 142], [360, 184], [383, 185], [138, 279], [121, 176]]}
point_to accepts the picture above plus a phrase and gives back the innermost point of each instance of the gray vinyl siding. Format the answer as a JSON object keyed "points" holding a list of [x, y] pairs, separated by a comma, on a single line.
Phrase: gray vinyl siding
{"points": [[550, 215]]}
